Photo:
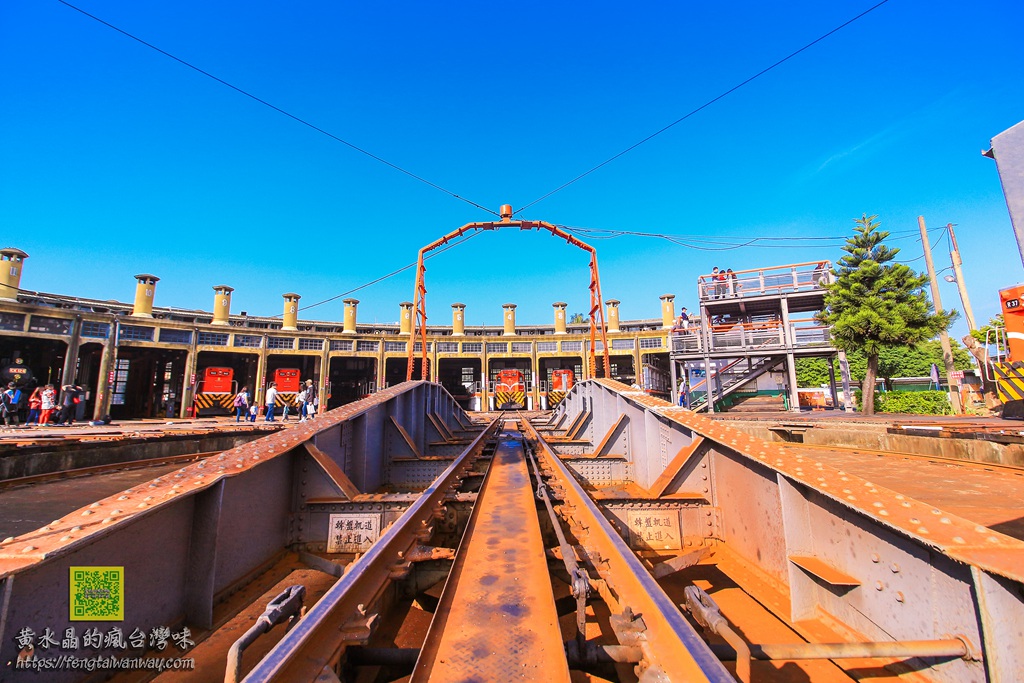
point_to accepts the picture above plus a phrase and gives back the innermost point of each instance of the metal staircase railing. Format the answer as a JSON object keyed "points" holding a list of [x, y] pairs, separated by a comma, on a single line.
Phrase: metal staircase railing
{"points": [[731, 381]]}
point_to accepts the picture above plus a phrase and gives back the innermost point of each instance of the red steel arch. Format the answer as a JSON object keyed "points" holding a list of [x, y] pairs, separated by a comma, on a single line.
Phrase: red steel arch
{"points": [[598, 327]]}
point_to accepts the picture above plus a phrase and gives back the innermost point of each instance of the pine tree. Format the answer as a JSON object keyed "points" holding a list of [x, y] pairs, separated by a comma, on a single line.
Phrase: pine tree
{"points": [[874, 303]]}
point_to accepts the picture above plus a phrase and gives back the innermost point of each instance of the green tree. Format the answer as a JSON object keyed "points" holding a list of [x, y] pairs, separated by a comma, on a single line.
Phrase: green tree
{"points": [[874, 303], [893, 362]]}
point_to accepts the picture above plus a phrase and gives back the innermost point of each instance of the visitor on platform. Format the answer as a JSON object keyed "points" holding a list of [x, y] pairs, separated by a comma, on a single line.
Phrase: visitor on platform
{"points": [[242, 404], [271, 401]]}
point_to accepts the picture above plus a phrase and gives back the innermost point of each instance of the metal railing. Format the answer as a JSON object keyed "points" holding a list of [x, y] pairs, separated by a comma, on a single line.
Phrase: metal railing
{"points": [[764, 281]]}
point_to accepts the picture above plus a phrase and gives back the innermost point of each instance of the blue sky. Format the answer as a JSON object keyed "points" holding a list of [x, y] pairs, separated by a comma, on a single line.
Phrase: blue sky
{"points": [[116, 160]]}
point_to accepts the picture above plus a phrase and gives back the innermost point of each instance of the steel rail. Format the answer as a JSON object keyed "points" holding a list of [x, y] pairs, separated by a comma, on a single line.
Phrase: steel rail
{"points": [[671, 644], [317, 641], [101, 469]]}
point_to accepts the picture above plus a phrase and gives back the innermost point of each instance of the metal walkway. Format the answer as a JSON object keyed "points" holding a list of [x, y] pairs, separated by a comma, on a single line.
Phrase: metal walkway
{"points": [[496, 618]]}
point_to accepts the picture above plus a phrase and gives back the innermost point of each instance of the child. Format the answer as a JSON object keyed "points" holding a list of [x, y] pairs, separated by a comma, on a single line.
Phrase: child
{"points": [[253, 412]]}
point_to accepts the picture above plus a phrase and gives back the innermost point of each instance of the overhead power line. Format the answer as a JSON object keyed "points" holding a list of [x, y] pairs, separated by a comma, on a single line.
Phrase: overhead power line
{"points": [[707, 104], [280, 110]]}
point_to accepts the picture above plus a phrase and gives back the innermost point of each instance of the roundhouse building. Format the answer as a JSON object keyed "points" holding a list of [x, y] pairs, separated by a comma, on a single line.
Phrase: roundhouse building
{"points": [[142, 360]]}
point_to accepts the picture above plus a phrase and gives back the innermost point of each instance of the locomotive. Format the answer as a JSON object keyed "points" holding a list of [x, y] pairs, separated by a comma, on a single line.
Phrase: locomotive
{"points": [[215, 393], [561, 382], [510, 390]]}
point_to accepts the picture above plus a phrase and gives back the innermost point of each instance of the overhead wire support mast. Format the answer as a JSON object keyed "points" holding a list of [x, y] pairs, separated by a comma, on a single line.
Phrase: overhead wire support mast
{"points": [[598, 327]]}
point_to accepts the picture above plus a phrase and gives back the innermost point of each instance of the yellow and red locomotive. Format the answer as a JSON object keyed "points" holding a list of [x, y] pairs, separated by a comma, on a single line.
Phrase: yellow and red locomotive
{"points": [[510, 390], [561, 382], [215, 393]]}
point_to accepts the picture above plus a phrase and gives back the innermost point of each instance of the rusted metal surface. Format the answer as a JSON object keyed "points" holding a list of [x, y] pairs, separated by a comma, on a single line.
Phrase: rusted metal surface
{"points": [[824, 544], [671, 646], [100, 469], [496, 619], [319, 639]]}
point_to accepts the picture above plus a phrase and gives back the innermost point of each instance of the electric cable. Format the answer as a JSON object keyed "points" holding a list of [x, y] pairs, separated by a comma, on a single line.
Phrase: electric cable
{"points": [[282, 111], [703, 106]]}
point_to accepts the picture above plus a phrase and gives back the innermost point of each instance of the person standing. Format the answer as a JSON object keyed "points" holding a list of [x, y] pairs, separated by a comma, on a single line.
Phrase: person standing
{"points": [[35, 404], [312, 400], [9, 405], [67, 405], [49, 399], [242, 404], [300, 402], [271, 401]]}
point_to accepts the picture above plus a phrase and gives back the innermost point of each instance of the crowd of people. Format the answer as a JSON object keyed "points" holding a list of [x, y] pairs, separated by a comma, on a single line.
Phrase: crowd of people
{"points": [[45, 405], [307, 401]]}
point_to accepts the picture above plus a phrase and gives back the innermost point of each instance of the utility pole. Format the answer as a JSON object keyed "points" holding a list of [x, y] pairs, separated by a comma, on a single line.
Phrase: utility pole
{"points": [[954, 256], [947, 351]]}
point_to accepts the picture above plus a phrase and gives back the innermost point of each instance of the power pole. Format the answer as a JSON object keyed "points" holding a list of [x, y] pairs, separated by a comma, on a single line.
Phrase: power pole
{"points": [[954, 255], [947, 351]]}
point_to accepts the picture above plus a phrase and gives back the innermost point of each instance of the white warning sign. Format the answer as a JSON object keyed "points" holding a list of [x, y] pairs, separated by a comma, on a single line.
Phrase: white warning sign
{"points": [[654, 529], [352, 533]]}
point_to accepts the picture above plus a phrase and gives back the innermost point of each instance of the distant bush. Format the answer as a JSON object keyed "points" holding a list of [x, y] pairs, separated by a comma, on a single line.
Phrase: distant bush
{"points": [[910, 402]]}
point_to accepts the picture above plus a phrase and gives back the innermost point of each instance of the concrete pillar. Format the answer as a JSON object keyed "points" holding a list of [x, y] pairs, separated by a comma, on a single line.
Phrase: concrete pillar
{"points": [[458, 320], [11, 262], [103, 383], [794, 395], [71, 356], [613, 314], [509, 318], [291, 312], [405, 321], [145, 289], [668, 311], [560, 307], [221, 304], [350, 316]]}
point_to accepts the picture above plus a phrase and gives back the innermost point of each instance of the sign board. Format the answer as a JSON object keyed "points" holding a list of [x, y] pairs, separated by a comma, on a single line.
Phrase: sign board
{"points": [[956, 374], [654, 529], [352, 533]]}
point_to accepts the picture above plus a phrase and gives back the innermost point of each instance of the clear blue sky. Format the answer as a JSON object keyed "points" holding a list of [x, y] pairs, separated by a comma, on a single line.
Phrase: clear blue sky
{"points": [[116, 160]]}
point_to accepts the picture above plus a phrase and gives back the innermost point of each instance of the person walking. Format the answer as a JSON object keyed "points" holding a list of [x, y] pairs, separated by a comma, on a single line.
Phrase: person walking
{"points": [[312, 400], [9, 405], [271, 401], [300, 401], [242, 404], [66, 416], [35, 404], [49, 398]]}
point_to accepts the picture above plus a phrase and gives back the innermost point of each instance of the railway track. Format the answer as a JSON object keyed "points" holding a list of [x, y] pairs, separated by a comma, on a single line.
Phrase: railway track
{"points": [[524, 579]]}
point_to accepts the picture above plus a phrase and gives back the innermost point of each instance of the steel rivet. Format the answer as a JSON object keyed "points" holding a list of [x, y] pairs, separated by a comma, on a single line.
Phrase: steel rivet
{"points": [[875, 557], [87, 513], [899, 596], [879, 585], [922, 530], [28, 549], [895, 568]]}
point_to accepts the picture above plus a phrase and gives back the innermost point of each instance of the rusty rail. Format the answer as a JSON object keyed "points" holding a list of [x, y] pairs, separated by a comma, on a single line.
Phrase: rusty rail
{"points": [[670, 646], [317, 641]]}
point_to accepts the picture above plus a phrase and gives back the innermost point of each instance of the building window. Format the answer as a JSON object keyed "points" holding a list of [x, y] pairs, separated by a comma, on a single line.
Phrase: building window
{"points": [[572, 346], [47, 325], [497, 347], [94, 330], [447, 347], [395, 347], [249, 341], [311, 344], [135, 333], [341, 345], [280, 343], [418, 347], [522, 347], [213, 339], [547, 347], [651, 343], [472, 347], [367, 346], [622, 344], [169, 336]]}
